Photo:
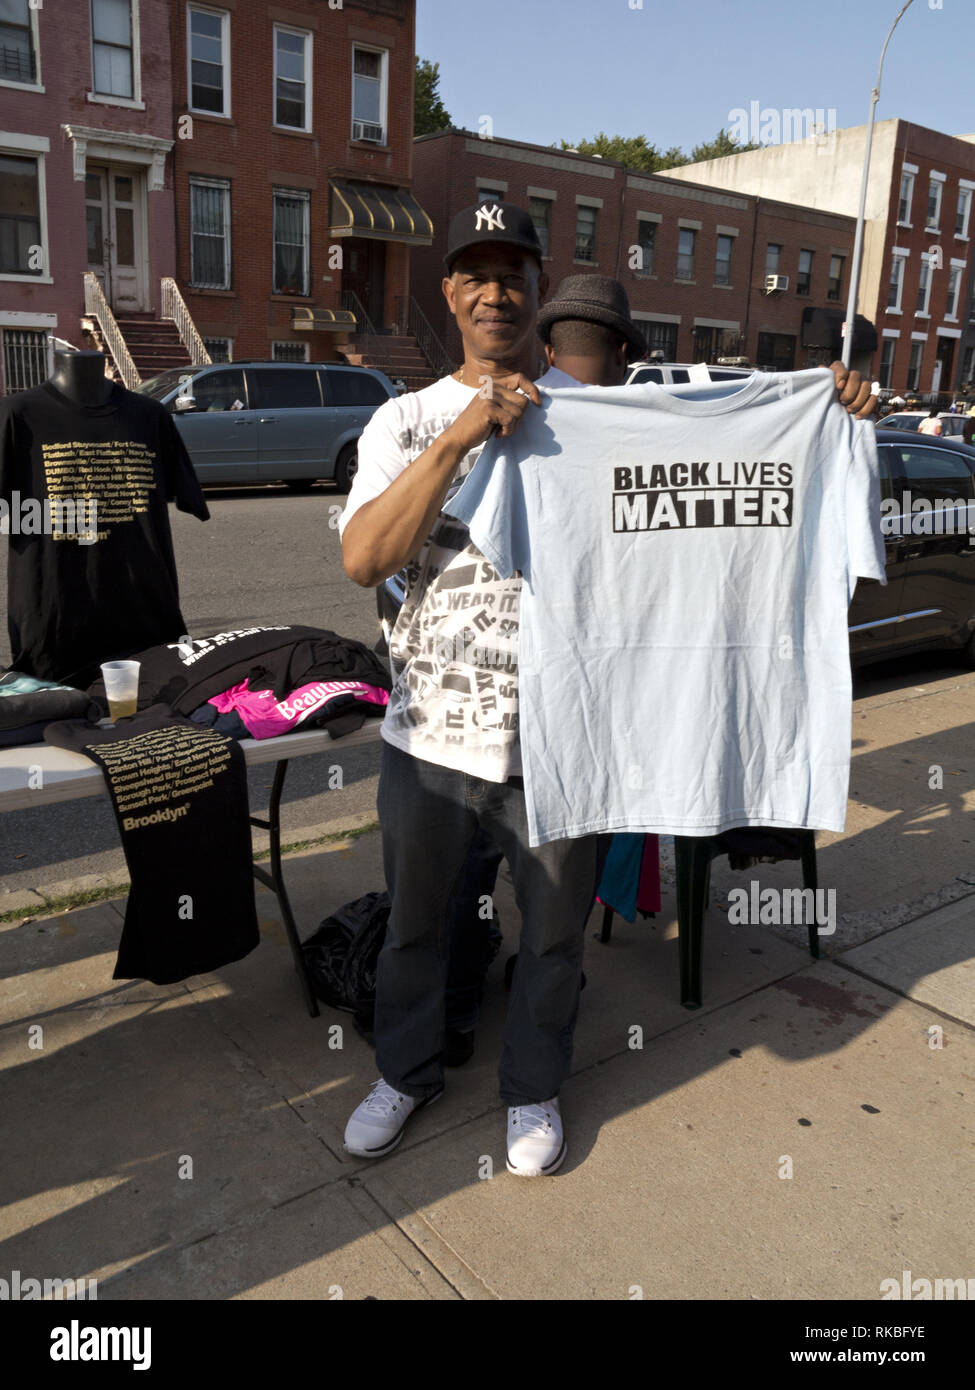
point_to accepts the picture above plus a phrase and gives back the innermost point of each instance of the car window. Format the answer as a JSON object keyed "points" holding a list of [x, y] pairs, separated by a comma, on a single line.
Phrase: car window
{"points": [[161, 385], [354, 388], [285, 388], [678, 376], [717, 374], [932, 473], [220, 391], [883, 456], [648, 374], [952, 424]]}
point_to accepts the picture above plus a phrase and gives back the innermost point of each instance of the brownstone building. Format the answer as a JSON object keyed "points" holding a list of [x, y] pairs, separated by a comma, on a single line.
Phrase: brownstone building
{"points": [[920, 227], [294, 215], [694, 259]]}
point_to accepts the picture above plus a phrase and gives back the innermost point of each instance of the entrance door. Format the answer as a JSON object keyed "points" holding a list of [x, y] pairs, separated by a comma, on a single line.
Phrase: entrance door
{"points": [[115, 215], [945, 362], [364, 272]]}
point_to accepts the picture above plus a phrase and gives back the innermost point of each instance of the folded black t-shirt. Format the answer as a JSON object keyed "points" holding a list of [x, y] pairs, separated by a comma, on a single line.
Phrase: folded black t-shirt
{"points": [[74, 602], [180, 799]]}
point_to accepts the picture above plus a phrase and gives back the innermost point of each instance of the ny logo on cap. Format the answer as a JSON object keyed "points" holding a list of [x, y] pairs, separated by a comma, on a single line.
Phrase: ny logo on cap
{"points": [[489, 219]]}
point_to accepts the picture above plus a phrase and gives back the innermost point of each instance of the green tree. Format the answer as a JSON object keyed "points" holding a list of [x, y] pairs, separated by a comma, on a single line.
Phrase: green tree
{"points": [[722, 144], [429, 112], [636, 152]]}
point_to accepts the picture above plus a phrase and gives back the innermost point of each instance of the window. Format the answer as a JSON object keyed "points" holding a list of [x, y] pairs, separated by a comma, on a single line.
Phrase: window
{"points": [[287, 389], [21, 246], [208, 46], [932, 473], [964, 212], [712, 343], [210, 234], [220, 391], [685, 253], [968, 366], [369, 94], [914, 367], [661, 337], [646, 240], [933, 223], [25, 358], [804, 278], [292, 78], [585, 233], [954, 291], [896, 286], [111, 45], [291, 243], [722, 260], [924, 287], [835, 289], [541, 215], [887, 362], [489, 195], [18, 57], [220, 349], [773, 255], [289, 352], [777, 351], [353, 388], [906, 199]]}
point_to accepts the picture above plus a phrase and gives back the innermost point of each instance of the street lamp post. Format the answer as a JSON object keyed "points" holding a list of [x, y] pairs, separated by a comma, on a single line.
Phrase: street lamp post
{"points": [[851, 306]]}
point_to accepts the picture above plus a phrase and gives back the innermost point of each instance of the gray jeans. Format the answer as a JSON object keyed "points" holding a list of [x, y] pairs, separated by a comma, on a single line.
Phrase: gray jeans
{"points": [[429, 817]]}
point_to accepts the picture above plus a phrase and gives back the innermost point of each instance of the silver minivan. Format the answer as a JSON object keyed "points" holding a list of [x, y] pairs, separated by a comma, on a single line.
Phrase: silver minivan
{"points": [[266, 422]]}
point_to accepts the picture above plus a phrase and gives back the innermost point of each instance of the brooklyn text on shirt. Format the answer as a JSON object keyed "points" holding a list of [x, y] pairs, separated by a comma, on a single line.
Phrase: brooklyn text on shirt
{"points": [[675, 496]]}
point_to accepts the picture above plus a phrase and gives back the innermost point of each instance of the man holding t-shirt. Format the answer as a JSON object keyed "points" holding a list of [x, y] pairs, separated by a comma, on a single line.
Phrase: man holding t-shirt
{"points": [[451, 761]]}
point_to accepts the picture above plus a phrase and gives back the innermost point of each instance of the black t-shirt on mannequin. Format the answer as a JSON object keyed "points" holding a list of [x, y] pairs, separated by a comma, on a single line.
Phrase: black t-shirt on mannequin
{"points": [[91, 570]]}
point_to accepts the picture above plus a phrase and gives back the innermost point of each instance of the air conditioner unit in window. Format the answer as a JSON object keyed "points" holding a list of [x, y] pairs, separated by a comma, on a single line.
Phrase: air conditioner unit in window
{"points": [[361, 130], [776, 282]]}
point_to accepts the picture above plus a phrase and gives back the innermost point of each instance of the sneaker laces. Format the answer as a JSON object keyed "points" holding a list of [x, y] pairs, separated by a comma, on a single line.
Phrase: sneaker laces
{"points": [[382, 1099], [532, 1119]]}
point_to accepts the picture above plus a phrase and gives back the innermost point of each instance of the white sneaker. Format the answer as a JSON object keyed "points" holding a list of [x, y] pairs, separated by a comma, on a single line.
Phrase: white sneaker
{"points": [[376, 1126], [535, 1142]]}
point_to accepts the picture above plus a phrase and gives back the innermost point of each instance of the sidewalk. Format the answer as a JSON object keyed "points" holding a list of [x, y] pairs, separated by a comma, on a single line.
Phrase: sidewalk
{"points": [[186, 1141]]}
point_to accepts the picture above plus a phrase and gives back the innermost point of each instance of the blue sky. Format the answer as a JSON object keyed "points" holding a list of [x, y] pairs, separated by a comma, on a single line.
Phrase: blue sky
{"points": [[546, 70]]}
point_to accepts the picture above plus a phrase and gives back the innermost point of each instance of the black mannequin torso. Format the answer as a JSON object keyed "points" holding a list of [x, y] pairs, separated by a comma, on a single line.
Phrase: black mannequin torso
{"points": [[81, 377]]}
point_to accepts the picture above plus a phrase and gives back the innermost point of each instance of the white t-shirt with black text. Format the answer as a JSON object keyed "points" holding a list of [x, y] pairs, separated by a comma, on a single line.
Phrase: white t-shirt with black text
{"points": [[688, 558]]}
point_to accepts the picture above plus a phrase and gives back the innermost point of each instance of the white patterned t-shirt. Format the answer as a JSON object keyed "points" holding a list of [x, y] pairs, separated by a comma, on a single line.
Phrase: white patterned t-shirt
{"points": [[453, 650]]}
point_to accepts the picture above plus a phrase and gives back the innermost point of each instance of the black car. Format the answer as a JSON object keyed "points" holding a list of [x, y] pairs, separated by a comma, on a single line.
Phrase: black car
{"points": [[929, 598]]}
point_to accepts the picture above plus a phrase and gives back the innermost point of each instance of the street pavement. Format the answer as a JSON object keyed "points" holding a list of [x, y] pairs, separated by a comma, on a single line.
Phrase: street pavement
{"points": [[806, 1134]]}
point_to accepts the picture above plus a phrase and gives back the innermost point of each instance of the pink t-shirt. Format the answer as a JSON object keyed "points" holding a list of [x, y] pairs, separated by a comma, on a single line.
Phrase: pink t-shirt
{"points": [[265, 716]]}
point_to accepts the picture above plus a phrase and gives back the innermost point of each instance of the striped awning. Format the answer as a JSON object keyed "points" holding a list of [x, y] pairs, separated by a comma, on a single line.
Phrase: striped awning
{"points": [[321, 320], [385, 214]]}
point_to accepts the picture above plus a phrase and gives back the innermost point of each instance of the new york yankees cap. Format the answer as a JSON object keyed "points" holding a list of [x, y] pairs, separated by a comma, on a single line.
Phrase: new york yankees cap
{"points": [[491, 222]]}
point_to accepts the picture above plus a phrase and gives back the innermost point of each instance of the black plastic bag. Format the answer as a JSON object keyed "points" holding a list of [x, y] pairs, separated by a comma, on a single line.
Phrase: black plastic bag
{"points": [[343, 953]]}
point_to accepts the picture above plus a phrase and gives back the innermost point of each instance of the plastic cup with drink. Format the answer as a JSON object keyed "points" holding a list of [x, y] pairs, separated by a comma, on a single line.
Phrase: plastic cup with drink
{"points": [[121, 688]]}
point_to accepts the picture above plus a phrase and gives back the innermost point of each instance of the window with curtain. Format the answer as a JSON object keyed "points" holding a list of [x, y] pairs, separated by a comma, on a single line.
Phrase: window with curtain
{"points": [[210, 234], [291, 243], [111, 43], [369, 90], [585, 233], [887, 362], [685, 253]]}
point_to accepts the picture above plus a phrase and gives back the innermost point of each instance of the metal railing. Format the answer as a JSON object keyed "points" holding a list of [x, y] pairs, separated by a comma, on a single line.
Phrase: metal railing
{"points": [[174, 307], [97, 306], [355, 306], [411, 319]]}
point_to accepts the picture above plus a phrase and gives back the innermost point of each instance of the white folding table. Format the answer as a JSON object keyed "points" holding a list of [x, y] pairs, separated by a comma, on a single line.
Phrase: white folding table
{"points": [[38, 774]]}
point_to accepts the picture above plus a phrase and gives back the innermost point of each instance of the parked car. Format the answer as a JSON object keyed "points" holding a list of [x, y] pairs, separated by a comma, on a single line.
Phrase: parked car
{"points": [[292, 422], [911, 420], [929, 598], [677, 373]]}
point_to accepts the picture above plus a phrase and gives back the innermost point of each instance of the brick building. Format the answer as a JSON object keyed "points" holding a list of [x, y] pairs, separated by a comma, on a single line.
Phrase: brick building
{"points": [[85, 170], [693, 259], [916, 277], [294, 216]]}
